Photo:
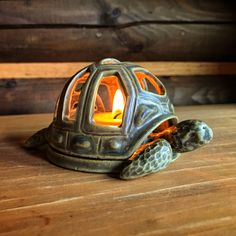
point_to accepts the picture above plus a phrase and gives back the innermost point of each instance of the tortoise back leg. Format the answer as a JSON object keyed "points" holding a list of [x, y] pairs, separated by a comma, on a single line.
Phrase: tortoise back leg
{"points": [[37, 140], [152, 159]]}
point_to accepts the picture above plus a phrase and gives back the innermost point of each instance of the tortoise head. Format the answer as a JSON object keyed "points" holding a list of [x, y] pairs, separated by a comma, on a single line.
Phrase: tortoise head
{"points": [[190, 135]]}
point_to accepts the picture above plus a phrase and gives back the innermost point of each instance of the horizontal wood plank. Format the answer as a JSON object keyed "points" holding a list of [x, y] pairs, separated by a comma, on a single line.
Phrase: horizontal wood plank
{"points": [[105, 13], [29, 96], [20, 96], [189, 90], [194, 195], [151, 42], [159, 68], [34, 87]]}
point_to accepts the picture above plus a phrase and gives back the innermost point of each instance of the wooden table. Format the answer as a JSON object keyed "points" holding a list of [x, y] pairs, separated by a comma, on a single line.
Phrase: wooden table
{"points": [[194, 195]]}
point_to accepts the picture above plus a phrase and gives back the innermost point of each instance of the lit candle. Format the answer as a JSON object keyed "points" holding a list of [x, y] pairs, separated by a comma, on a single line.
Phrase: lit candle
{"points": [[113, 118]]}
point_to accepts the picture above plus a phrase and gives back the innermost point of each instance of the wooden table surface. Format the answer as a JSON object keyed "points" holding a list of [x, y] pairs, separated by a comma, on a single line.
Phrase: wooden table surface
{"points": [[196, 195]]}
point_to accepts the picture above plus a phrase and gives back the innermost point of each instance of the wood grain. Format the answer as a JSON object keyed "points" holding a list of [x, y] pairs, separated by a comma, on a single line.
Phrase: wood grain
{"points": [[199, 90], [106, 12], [39, 95], [149, 42], [29, 96], [159, 68], [195, 195], [20, 12], [34, 31], [34, 87]]}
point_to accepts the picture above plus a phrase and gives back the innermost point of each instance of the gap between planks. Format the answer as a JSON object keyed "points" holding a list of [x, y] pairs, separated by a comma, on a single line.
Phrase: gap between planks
{"points": [[67, 69]]}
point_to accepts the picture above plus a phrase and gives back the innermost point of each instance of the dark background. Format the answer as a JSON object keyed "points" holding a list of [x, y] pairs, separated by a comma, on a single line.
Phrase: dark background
{"points": [[134, 30]]}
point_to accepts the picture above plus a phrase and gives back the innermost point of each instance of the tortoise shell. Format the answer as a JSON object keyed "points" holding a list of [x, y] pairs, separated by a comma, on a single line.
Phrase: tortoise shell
{"points": [[78, 138]]}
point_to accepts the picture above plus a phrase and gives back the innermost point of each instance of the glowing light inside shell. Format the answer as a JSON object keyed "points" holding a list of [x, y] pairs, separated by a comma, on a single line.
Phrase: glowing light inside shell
{"points": [[118, 102]]}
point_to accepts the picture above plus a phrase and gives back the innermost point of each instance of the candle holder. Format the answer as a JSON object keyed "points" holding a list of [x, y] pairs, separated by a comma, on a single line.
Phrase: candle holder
{"points": [[116, 116]]}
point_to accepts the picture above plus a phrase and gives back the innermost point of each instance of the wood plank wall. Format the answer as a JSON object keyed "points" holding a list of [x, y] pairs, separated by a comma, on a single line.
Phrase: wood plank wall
{"points": [[34, 87], [135, 30]]}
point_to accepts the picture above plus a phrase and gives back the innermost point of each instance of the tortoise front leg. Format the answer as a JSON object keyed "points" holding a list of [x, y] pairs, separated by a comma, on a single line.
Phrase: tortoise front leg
{"points": [[152, 159]]}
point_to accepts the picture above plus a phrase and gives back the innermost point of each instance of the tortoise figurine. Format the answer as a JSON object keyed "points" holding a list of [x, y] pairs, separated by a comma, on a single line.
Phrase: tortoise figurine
{"points": [[137, 136]]}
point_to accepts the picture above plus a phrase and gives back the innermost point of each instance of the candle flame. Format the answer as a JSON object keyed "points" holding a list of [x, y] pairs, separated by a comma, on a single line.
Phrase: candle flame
{"points": [[118, 102]]}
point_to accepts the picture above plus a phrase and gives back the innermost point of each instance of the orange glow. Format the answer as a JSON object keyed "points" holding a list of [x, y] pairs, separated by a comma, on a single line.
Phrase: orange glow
{"points": [[75, 95], [143, 76], [113, 118], [155, 137]]}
